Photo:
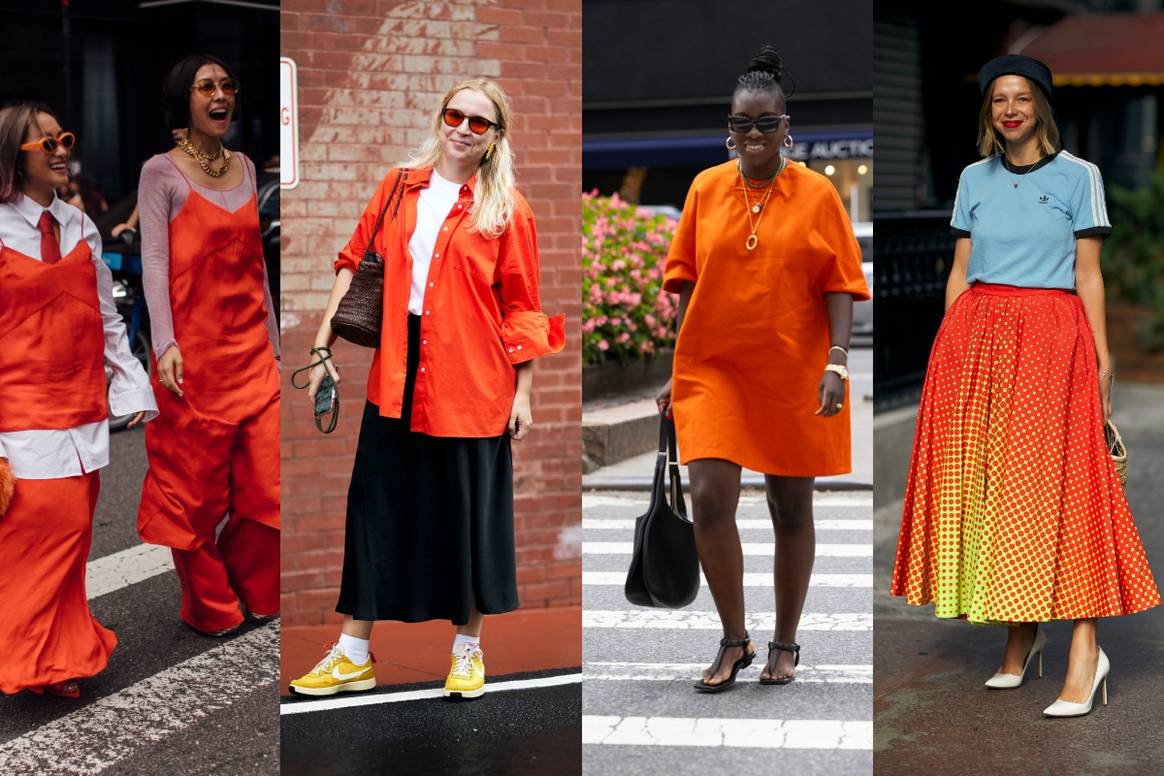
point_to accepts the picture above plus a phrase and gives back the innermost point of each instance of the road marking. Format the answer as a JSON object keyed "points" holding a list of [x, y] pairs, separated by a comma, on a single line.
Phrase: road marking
{"points": [[349, 701], [108, 730], [111, 573], [669, 672], [751, 579], [628, 524], [750, 548], [859, 499], [681, 619], [750, 733]]}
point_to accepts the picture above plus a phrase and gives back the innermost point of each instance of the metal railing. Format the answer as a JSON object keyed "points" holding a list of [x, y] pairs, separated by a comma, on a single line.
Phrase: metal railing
{"points": [[914, 251]]}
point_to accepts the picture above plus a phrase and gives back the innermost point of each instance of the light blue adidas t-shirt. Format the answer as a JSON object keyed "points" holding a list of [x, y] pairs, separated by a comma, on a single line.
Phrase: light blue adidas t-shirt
{"points": [[1022, 221]]}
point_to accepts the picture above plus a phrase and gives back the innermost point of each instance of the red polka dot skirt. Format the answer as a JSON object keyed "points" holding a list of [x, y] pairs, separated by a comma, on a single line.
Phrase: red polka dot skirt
{"points": [[1013, 511]]}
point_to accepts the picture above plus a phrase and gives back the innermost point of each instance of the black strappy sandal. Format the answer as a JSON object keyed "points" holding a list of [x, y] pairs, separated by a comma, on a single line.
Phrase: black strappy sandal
{"points": [[780, 646], [743, 662]]}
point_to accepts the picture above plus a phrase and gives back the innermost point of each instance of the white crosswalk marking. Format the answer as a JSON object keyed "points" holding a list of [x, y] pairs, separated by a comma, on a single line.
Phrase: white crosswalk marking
{"points": [[104, 732], [110, 573], [617, 524], [639, 663], [750, 548], [751, 733], [751, 579], [670, 672], [683, 619]]}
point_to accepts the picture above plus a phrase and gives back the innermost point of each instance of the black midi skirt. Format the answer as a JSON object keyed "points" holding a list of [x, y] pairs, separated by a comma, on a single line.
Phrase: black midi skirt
{"points": [[429, 522]]}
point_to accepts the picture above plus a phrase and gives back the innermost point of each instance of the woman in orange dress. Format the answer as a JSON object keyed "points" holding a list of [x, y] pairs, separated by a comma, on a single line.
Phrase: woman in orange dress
{"points": [[766, 267], [214, 452], [60, 329]]}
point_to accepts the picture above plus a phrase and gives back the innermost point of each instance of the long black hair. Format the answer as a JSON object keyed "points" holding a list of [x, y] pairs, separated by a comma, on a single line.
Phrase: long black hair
{"points": [[176, 89]]}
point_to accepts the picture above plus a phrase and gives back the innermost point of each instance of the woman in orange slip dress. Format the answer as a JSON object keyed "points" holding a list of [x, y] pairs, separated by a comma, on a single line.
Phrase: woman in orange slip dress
{"points": [[766, 267], [1013, 512], [215, 449], [60, 328]]}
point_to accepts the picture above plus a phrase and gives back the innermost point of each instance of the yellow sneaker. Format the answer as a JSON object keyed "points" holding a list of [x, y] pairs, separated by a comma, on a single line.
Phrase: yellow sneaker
{"points": [[336, 673], [467, 673]]}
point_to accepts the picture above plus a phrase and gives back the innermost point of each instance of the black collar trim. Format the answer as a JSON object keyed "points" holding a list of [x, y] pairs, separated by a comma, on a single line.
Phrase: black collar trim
{"points": [[1023, 169]]}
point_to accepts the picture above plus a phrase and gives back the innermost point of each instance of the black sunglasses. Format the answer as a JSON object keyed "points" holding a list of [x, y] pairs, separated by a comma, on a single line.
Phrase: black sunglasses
{"points": [[738, 122]]}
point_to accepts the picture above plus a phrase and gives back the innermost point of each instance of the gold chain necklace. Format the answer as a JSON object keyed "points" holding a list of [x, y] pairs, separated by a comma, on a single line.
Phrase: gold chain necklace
{"points": [[758, 208], [204, 159]]}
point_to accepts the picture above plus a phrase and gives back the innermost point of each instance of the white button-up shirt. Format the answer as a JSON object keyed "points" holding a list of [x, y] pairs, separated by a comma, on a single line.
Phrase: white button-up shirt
{"points": [[44, 454]]}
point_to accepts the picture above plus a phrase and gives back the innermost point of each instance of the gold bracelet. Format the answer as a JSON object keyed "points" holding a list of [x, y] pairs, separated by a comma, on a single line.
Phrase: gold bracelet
{"points": [[838, 347]]}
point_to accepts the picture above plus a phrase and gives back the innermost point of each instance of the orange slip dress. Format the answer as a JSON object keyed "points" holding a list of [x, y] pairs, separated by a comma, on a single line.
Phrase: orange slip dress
{"points": [[755, 337], [215, 450], [52, 376]]}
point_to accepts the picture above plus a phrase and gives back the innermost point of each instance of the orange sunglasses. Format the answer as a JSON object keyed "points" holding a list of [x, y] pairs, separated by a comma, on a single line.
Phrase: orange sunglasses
{"points": [[478, 125], [49, 144]]}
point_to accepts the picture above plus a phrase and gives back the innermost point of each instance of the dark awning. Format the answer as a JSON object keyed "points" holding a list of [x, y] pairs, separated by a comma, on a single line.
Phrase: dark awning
{"points": [[1101, 50]]}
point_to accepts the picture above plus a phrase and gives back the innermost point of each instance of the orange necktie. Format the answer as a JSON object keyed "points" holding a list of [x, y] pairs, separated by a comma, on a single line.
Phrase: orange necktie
{"points": [[50, 249]]}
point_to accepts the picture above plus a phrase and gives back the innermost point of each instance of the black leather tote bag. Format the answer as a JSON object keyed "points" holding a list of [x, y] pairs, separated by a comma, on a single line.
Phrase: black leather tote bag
{"points": [[664, 570]]}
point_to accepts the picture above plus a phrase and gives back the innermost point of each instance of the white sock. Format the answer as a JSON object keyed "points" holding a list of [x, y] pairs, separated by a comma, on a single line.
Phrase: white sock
{"points": [[459, 640], [356, 649]]}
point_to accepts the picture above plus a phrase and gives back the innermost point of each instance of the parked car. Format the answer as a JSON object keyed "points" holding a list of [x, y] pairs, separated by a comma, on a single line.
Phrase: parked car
{"points": [[863, 311]]}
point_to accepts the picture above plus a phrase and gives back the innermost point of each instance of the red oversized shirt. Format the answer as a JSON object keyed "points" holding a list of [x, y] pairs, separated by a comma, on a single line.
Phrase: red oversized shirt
{"points": [[481, 313]]}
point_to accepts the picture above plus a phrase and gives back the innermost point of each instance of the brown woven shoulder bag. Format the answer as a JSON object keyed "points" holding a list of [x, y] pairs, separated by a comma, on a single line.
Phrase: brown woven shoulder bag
{"points": [[359, 315]]}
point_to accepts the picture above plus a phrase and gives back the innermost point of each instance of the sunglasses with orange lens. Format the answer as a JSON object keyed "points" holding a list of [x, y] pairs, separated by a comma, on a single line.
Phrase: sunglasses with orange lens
{"points": [[206, 87], [49, 144], [478, 125]]}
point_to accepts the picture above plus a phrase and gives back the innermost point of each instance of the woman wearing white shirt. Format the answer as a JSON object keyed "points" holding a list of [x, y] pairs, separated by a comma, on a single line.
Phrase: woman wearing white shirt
{"points": [[60, 328]]}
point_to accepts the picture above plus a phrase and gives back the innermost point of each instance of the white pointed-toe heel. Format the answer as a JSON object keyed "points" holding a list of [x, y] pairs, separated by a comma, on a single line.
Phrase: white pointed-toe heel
{"points": [[1069, 709], [1001, 681]]}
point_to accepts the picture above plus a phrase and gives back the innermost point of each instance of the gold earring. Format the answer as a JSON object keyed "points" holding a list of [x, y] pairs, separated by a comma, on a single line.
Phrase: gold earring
{"points": [[489, 152]]}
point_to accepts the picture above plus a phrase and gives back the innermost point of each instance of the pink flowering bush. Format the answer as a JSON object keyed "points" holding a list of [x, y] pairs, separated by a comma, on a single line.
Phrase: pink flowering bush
{"points": [[626, 314]]}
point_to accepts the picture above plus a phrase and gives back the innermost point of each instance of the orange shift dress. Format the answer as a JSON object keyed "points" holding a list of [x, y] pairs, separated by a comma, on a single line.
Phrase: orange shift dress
{"points": [[755, 336]]}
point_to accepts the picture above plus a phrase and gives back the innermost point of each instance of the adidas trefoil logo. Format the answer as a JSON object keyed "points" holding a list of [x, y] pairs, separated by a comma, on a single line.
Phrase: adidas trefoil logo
{"points": [[1044, 199]]}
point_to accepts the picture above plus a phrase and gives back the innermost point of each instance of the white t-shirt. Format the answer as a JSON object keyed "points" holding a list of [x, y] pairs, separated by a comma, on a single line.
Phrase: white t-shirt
{"points": [[432, 208]]}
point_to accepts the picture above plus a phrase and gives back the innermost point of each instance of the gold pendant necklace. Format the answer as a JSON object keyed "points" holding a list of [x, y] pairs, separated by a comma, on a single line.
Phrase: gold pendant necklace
{"points": [[758, 208]]}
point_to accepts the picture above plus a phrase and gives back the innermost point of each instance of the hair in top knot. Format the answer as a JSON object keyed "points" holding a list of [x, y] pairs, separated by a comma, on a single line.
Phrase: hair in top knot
{"points": [[764, 73]]}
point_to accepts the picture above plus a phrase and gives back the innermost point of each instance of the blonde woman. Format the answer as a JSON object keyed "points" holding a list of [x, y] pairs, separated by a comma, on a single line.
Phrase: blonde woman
{"points": [[429, 532], [1013, 513]]}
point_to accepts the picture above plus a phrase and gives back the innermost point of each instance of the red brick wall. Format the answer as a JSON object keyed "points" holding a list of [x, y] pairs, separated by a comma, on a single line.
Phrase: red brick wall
{"points": [[370, 75]]}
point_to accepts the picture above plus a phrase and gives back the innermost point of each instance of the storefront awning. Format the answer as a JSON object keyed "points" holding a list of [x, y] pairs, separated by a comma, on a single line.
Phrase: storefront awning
{"points": [[1100, 50], [613, 153]]}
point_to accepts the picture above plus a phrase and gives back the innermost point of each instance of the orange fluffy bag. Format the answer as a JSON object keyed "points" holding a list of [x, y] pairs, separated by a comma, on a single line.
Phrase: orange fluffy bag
{"points": [[7, 485]]}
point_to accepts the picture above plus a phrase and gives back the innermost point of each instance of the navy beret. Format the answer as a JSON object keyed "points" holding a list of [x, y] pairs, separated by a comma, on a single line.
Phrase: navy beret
{"points": [[1015, 64]]}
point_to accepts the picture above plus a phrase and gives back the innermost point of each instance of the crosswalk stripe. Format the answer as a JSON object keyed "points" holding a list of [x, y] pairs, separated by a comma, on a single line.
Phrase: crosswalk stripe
{"points": [[751, 579], [108, 730], [750, 548], [110, 573], [376, 698], [668, 672], [715, 732], [682, 619], [859, 499], [628, 524]]}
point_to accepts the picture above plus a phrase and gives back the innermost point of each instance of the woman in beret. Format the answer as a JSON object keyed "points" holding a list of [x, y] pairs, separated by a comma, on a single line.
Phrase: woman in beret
{"points": [[1013, 512]]}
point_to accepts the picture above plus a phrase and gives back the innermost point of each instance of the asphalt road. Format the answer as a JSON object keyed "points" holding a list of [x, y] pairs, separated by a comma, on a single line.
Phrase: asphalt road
{"points": [[533, 730], [171, 701], [640, 713], [932, 711]]}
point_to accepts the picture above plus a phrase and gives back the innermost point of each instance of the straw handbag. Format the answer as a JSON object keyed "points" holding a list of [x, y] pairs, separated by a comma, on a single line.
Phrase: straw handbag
{"points": [[360, 313], [1117, 450]]}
